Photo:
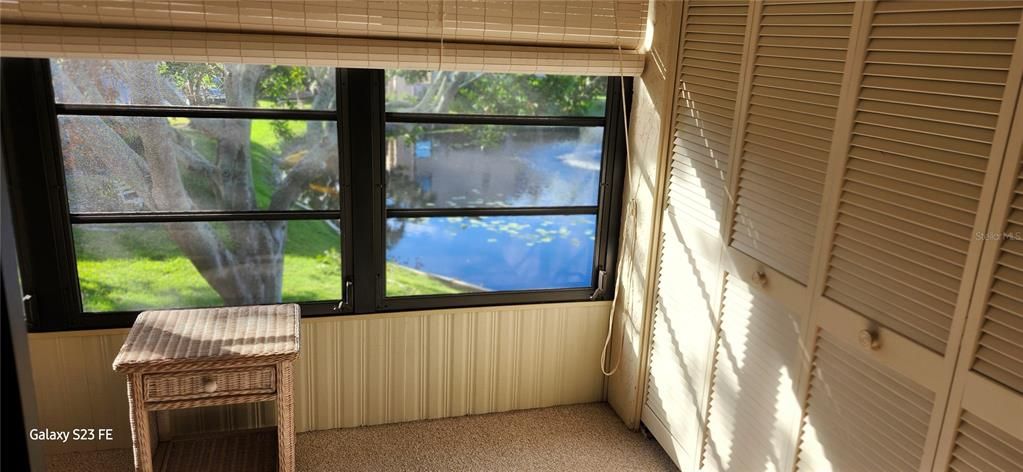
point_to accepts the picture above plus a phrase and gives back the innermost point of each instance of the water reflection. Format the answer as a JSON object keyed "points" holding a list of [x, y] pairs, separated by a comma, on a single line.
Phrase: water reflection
{"points": [[457, 166], [452, 166], [497, 253]]}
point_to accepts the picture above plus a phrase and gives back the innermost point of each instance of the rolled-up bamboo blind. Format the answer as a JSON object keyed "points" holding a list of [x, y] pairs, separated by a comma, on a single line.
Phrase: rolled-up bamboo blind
{"points": [[550, 36]]}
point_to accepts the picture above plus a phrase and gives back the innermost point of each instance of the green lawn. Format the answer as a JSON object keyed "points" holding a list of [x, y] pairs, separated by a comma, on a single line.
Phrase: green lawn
{"points": [[139, 283], [130, 267]]}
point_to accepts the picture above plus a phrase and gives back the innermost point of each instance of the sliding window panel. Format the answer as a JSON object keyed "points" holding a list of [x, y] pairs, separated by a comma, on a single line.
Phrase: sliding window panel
{"points": [[139, 164], [793, 93], [138, 266], [425, 91], [467, 254], [493, 166], [192, 84]]}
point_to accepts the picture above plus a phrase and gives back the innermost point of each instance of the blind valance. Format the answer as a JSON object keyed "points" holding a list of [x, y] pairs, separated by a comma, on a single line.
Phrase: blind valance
{"points": [[572, 37]]}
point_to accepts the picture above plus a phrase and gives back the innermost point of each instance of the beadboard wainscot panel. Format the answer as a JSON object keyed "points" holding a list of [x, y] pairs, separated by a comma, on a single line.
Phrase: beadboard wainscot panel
{"points": [[355, 371]]}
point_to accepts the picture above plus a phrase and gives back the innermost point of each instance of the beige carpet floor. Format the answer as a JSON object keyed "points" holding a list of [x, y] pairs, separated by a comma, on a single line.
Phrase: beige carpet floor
{"points": [[569, 438]]}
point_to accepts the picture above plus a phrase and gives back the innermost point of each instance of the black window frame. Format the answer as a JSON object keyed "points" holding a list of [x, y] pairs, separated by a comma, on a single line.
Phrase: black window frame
{"points": [[31, 142]]}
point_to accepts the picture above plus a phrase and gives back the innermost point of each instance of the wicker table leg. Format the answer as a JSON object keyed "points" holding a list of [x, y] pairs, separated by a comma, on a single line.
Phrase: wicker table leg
{"points": [[285, 418], [140, 437]]}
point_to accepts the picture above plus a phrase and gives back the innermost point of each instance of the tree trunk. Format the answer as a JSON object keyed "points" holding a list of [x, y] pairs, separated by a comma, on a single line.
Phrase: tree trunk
{"points": [[243, 264]]}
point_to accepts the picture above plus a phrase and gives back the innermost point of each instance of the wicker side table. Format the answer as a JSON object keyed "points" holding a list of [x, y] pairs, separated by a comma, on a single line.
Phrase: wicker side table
{"points": [[177, 359]]}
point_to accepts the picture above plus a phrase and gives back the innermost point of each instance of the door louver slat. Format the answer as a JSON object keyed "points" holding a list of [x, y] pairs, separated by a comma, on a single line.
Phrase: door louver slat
{"points": [[797, 78], [1000, 348], [861, 415], [679, 355], [708, 84], [696, 201], [981, 447], [921, 138], [753, 407]]}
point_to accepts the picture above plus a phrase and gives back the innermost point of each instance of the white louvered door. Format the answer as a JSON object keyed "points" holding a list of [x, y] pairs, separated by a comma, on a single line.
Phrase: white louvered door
{"points": [[688, 274], [841, 158], [861, 414], [914, 181], [790, 91], [984, 420], [754, 407], [784, 138]]}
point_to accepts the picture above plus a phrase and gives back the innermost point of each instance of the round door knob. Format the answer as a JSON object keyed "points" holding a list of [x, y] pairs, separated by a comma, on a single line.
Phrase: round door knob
{"points": [[759, 278], [868, 340], [209, 385]]}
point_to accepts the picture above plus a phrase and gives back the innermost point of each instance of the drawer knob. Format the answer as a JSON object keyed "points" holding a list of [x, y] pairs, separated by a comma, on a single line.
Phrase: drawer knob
{"points": [[759, 278], [868, 339], [209, 384]]}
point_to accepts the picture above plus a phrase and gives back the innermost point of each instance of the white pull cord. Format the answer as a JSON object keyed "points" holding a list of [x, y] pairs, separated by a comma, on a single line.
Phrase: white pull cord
{"points": [[630, 217]]}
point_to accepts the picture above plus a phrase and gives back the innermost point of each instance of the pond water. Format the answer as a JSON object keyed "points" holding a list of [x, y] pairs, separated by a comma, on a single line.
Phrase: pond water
{"points": [[541, 167], [500, 253]]}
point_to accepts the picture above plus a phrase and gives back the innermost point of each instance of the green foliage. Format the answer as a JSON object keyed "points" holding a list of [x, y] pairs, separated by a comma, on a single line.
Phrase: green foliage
{"points": [[282, 130], [279, 87], [196, 81], [511, 94], [500, 94], [282, 84], [519, 94]]}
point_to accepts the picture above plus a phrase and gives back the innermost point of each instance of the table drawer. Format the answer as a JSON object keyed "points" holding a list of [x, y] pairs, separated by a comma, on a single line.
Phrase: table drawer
{"points": [[209, 383]]}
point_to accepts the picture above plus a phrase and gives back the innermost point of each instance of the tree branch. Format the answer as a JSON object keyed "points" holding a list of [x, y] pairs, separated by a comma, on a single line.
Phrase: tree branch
{"points": [[312, 167], [192, 160]]}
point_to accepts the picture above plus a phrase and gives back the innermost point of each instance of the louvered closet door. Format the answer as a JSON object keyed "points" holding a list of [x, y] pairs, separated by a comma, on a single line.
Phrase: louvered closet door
{"points": [[915, 181], [680, 356], [754, 407], [981, 446], [929, 106], [984, 420], [791, 88], [713, 36], [862, 415], [688, 276], [787, 126]]}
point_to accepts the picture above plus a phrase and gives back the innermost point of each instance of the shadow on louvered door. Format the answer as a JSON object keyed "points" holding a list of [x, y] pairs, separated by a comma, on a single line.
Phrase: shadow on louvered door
{"points": [[921, 155], [791, 86], [983, 428], [688, 278], [783, 140]]}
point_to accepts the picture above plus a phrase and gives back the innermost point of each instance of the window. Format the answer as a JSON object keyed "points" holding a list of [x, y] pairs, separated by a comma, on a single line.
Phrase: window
{"points": [[192, 185], [172, 185], [513, 165]]}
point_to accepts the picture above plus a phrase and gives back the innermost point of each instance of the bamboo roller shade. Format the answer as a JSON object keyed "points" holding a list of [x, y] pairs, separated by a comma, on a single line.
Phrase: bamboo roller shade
{"points": [[571, 37]]}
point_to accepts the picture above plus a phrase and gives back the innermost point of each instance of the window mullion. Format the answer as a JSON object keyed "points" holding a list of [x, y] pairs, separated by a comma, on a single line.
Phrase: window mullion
{"points": [[362, 122], [612, 182], [32, 152]]}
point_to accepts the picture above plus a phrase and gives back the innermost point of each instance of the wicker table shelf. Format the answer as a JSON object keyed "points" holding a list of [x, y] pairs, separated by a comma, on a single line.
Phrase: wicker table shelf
{"points": [[177, 359]]}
